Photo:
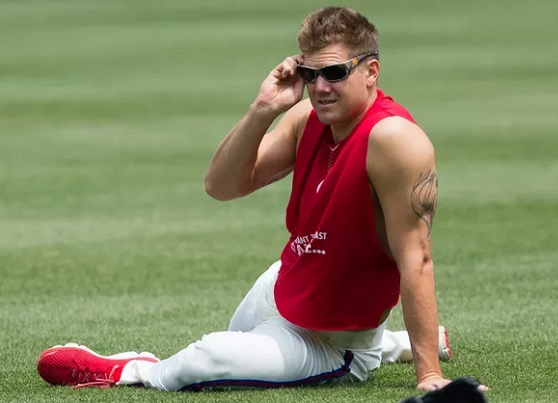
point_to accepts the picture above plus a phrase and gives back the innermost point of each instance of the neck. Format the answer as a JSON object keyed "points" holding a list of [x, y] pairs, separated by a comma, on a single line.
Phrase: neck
{"points": [[342, 130]]}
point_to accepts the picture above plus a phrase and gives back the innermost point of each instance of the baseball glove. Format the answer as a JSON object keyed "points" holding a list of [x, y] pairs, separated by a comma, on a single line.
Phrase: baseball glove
{"points": [[461, 390]]}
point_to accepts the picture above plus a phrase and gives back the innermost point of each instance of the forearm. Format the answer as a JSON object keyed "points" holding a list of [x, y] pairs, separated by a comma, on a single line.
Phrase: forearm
{"points": [[421, 318], [230, 173]]}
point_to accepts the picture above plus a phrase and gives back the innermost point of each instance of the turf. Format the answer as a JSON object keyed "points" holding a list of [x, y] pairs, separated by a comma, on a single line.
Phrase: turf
{"points": [[110, 112]]}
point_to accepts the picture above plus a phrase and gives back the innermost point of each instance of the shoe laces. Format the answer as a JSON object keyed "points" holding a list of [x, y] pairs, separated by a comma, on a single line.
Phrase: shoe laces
{"points": [[103, 379]]}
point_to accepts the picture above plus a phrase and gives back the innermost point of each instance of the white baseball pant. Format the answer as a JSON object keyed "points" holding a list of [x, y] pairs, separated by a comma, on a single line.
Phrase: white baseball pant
{"points": [[262, 349]]}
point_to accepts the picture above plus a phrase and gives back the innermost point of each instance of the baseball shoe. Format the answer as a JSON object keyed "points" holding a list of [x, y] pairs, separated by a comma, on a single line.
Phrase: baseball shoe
{"points": [[78, 366], [444, 349]]}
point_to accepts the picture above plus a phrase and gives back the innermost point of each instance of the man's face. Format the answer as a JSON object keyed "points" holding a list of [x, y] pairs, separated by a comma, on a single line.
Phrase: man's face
{"points": [[338, 102]]}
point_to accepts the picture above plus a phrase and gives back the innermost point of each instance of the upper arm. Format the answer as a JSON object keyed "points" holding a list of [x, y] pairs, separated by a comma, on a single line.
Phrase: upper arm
{"points": [[401, 167], [277, 150]]}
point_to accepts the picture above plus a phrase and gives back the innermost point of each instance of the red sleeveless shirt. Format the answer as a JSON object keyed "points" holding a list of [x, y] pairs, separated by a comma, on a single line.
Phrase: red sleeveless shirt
{"points": [[334, 275]]}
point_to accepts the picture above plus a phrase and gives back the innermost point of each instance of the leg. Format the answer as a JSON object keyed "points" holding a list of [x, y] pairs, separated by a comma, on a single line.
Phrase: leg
{"points": [[255, 307], [397, 346], [259, 349], [273, 354], [270, 352]]}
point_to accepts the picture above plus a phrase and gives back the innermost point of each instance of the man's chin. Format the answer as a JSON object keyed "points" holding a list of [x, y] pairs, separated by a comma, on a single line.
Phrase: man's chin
{"points": [[326, 118]]}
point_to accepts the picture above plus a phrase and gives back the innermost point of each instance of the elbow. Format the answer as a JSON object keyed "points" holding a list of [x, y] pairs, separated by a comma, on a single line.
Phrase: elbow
{"points": [[417, 264], [214, 191], [427, 262], [222, 192], [428, 266]]}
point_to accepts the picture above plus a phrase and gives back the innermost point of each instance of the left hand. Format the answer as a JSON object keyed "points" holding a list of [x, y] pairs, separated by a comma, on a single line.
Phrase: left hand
{"points": [[432, 383], [436, 382]]}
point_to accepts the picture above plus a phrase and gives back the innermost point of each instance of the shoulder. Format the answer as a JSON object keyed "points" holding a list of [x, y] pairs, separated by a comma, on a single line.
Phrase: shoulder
{"points": [[397, 144], [295, 119], [300, 112], [396, 134], [302, 107]]}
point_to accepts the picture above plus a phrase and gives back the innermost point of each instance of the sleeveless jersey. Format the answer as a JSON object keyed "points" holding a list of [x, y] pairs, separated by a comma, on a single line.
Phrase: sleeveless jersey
{"points": [[334, 275]]}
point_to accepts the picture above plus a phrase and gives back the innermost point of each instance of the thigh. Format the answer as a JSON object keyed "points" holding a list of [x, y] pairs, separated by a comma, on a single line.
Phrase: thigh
{"points": [[255, 307], [306, 357]]}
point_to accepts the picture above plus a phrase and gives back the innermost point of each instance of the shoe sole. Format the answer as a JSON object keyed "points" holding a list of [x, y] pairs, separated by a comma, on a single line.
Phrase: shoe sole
{"points": [[444, 350]]}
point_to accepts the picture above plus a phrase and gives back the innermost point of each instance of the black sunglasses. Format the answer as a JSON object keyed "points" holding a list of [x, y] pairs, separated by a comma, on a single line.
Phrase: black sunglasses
{"points": [[333, 72]]}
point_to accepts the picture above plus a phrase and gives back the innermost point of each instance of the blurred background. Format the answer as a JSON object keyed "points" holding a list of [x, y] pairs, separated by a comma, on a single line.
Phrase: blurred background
{"points": [[110, 112]]}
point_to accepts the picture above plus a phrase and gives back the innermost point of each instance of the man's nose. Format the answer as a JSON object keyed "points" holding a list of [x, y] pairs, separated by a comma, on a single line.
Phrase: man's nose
{"points": [[322, 84]]}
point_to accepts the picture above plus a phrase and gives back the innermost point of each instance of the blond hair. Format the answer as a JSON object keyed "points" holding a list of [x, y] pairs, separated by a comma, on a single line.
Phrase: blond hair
{"points": [[338, 25]]}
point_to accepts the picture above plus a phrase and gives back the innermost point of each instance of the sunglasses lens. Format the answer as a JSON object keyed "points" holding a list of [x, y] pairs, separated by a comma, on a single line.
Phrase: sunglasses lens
{"points": [[308, 75], [335, 73]]}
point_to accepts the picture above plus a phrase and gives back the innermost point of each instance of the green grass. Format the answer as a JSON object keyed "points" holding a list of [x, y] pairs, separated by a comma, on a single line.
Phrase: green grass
{"points": [[110, 112]]}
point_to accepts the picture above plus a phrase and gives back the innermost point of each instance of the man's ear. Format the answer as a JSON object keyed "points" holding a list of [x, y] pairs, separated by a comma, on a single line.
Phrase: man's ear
{"points": [[373, 71]]}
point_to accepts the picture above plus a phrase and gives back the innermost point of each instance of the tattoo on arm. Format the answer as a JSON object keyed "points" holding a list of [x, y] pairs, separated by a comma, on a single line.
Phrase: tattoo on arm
{"points": [[424, 198]]}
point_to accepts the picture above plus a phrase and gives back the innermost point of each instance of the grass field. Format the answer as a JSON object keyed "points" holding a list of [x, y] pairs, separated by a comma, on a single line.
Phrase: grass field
{"points": [[110, 112]]}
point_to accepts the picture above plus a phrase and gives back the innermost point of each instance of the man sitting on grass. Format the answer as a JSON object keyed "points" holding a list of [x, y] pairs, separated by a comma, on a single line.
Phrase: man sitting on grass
{"points": [[360, 216]]}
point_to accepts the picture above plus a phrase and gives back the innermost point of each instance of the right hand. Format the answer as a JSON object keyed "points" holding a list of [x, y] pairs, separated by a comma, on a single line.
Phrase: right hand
{"points": [[282, 88]]}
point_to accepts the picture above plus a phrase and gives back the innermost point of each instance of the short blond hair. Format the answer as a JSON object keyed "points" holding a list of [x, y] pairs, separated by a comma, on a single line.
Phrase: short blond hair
{"points": [[338, 25]]}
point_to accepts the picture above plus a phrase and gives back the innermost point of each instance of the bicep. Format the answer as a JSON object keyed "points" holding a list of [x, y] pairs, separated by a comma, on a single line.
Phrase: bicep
{"points": [[275, 159], [402, 171], [424, 197], [277, 150]]}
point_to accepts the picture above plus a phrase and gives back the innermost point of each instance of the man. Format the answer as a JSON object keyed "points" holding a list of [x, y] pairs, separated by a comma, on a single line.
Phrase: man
{"points": [[360, 216]]}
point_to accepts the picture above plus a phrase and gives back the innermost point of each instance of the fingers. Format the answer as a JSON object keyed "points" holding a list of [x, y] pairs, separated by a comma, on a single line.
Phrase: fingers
{"points": [[433, 384], [288, 67], [440, 383]]}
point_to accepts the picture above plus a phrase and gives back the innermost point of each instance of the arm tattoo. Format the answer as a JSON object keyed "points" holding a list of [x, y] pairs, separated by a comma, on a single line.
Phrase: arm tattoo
{"points": [[424, 198]]}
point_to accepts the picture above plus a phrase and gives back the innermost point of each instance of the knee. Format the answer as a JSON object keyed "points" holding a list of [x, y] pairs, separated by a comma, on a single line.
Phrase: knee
{"points": [[213, 357]]}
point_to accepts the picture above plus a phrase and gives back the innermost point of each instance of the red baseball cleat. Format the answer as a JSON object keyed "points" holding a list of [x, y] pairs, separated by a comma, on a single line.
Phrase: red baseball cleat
{"points": [[78, 366]]}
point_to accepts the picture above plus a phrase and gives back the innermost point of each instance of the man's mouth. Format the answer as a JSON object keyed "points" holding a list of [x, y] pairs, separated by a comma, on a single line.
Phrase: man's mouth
{"points": [[326, 102]]}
